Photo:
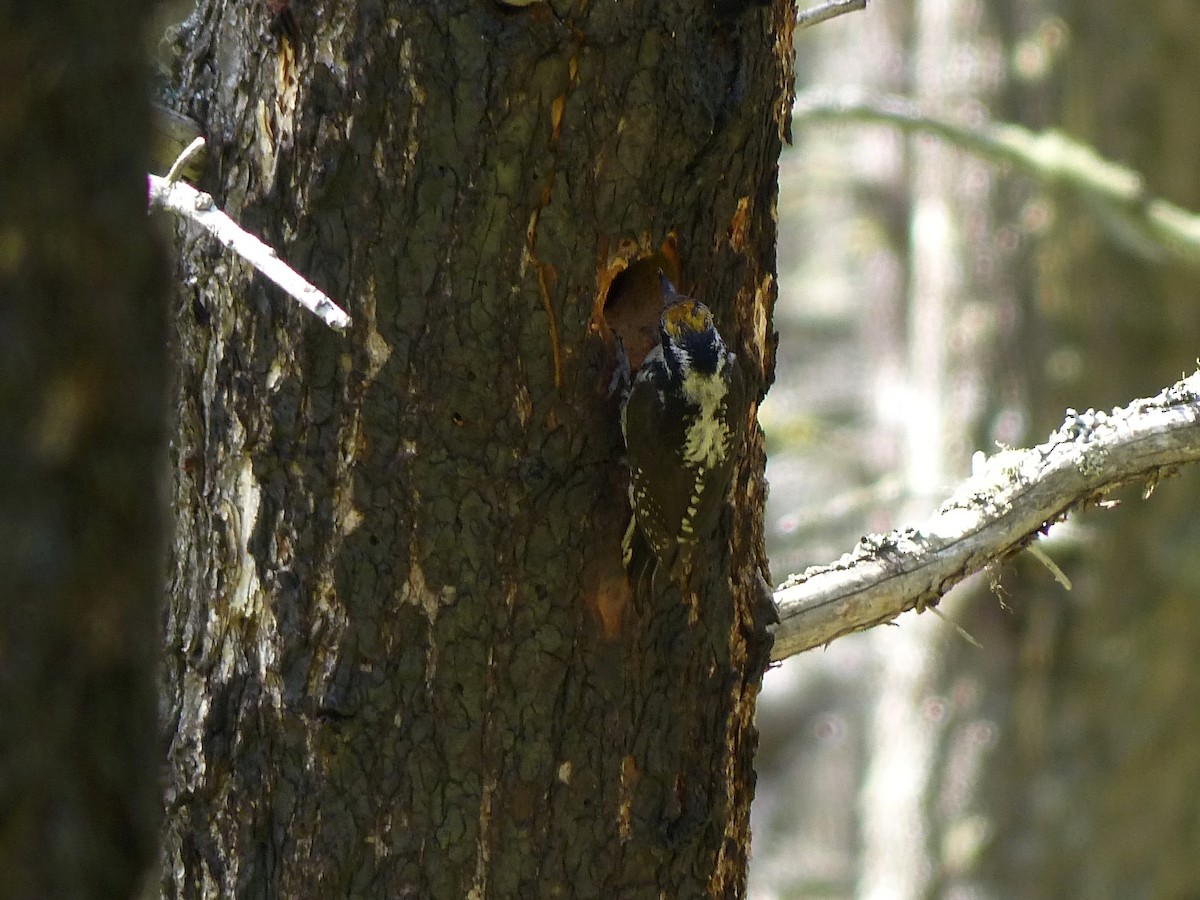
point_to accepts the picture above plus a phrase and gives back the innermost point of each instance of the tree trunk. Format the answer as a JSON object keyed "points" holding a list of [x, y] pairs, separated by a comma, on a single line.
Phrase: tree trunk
{"points": [[403, 659], [82, 442]]}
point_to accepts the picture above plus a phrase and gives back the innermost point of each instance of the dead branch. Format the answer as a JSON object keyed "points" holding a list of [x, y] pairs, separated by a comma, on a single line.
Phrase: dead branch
{"points": [[1012, 500]]}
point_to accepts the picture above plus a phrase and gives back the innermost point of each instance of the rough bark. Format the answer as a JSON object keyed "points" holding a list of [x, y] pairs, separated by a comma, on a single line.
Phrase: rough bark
{"points": [[82, 442], [402, 658]]}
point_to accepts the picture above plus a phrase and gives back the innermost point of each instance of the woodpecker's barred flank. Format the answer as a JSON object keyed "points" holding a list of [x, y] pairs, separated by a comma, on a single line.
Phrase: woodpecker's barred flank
{"points": [[682, 419]]}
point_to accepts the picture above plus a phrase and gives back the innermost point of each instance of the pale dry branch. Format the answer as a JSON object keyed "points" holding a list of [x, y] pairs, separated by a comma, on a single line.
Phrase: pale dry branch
{"points": [[1014, 498], [198, 207], [1145, 224], [826, 11]]}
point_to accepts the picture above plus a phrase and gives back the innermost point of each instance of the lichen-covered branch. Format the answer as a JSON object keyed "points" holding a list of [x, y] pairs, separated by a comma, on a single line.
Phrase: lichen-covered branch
{"points": [[1013, 498], [1146, 224]]}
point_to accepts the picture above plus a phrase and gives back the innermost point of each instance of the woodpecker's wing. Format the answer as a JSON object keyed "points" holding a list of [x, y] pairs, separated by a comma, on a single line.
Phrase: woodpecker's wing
{"points": [[677, 501], [652, 442]]}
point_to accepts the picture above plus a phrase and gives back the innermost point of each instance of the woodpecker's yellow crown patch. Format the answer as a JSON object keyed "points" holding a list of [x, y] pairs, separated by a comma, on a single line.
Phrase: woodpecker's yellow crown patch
{"points": [[685, 316]]}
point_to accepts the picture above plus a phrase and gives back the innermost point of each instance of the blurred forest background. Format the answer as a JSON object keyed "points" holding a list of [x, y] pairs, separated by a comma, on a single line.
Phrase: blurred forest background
{"points": [[933, 304]]}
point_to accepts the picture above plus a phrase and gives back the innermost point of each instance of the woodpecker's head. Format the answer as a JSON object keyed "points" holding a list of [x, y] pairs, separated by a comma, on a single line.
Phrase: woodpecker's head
{"points": [[690, 340]]}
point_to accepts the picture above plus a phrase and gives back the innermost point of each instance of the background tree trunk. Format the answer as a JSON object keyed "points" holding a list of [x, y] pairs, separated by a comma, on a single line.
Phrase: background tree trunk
{"points": [[82, 442], [402, 658], [1112, 733]]}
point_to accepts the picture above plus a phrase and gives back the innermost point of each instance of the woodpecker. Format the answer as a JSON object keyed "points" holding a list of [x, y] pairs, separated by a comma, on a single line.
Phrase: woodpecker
{"points": [[682, 420]]}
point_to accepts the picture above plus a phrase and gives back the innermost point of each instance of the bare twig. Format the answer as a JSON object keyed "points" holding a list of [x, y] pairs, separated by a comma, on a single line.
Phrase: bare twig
{"points": [[1147, 224], [829, 10], [1015, 497], [185, 200], [181, 160], [175, 132]]}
